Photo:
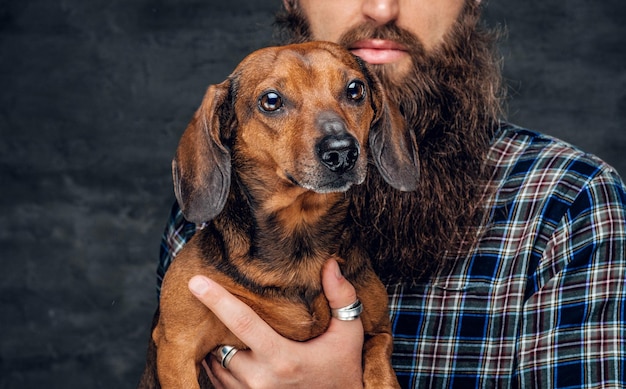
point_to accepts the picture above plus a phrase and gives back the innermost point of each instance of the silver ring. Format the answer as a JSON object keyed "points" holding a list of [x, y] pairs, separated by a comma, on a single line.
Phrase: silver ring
{"points": [[347, 313], [226, 354]]}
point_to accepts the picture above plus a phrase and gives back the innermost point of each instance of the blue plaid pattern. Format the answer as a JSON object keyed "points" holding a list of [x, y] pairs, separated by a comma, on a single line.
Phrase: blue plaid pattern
{"points": [[540, 302], [177, 232]]}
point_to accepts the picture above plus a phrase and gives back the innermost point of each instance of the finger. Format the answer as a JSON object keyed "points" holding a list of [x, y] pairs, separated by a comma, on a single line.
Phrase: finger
{"points": [[337, 289], [240, 319], [220, 377], [217, 384], [349, 334], [341, 293]]}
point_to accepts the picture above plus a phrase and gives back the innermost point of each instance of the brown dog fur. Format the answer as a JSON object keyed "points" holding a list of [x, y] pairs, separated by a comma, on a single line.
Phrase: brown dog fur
{"points": [[277, 212]]}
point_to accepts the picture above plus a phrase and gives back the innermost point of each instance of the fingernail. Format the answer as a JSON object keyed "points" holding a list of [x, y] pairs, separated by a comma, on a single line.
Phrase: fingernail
{"points": [[198, 285]]}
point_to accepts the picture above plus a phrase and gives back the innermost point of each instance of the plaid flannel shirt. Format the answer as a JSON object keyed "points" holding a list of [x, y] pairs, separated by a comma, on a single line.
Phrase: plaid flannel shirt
{"points": [[541, 300]]}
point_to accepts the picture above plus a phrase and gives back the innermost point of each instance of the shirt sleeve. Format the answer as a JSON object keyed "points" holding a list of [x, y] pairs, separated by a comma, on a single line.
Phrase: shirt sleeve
{"points": [[574, 320], [178, 231]]}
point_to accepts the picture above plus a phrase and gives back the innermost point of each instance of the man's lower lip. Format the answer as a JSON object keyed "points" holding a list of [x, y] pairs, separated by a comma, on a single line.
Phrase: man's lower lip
{"points": [[379, 56]]}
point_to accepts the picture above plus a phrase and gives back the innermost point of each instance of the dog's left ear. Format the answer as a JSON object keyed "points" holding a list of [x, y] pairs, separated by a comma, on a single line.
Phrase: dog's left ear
{"points": [[202, 166], [392, 144]]}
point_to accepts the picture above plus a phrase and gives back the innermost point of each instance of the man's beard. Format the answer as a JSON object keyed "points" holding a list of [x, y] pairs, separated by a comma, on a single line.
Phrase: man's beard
{"points": [[451, 98]]}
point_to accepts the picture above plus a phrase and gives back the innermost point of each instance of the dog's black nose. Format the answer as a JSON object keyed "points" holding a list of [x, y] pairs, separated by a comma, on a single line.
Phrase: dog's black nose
{"points": [[338, 153]]}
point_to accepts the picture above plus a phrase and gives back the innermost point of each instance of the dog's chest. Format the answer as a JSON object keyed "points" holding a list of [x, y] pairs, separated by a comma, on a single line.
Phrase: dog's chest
{"points": [[286, 292]]}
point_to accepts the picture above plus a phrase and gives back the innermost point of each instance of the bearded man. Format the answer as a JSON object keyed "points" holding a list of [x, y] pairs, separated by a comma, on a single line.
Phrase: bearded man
{"points": [[507, 267]]}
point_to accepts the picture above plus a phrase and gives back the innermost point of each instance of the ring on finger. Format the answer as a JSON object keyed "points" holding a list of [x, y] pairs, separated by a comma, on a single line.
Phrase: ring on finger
{"points": [[226, 354], [349, 312]]}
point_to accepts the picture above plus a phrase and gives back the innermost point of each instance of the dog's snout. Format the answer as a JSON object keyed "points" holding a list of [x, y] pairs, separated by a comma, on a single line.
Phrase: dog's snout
{"points": [[338, 153]]}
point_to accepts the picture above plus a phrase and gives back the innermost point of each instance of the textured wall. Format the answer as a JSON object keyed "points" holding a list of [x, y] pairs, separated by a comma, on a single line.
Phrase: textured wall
{"points": [[93, 97]]}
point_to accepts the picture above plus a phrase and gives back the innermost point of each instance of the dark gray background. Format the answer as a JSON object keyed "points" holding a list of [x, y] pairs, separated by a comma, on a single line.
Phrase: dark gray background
{"points": [[93, 98]]}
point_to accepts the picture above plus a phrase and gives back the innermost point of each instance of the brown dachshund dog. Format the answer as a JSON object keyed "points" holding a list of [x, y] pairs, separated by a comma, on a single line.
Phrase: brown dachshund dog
{"points": [[266, 160]]}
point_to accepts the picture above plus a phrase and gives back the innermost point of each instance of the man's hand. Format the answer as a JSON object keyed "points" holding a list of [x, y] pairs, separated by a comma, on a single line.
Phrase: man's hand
{"points": [[332, 360]]}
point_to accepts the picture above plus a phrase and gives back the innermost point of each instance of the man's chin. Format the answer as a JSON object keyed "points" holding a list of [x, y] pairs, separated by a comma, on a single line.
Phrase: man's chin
{"points": [[393, 72]]}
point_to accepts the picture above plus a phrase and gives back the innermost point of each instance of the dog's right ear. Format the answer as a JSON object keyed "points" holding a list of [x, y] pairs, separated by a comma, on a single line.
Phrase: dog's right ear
{"points": [[202, 165]]}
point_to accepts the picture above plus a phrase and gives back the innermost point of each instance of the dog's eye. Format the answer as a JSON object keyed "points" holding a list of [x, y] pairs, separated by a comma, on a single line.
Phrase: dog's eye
{"points": [[270, 102], [356, 91]]}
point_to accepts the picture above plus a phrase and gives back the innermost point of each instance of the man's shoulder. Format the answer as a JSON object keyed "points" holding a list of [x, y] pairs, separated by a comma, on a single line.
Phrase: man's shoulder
{"points": [[520, 150], [535, 171]]}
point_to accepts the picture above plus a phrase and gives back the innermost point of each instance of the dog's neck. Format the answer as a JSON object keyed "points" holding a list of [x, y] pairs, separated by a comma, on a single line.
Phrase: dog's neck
{"points": [[290, 232]]}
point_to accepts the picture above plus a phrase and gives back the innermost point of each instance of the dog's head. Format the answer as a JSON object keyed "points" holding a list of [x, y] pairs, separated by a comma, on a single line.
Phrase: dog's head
{"points": [[301, 115]]}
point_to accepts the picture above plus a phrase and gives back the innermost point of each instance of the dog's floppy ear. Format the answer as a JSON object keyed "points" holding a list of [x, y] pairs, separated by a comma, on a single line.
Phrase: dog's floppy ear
{"points": [[202, 165], [392, 144]]}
